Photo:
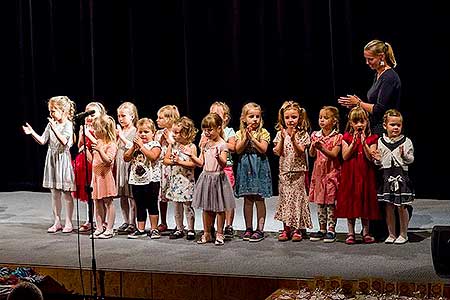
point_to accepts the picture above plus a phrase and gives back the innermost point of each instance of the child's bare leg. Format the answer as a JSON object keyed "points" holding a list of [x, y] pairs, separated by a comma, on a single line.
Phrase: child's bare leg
{"points": [[404, 220], [125, 209], [220, 216], [390, 219], [110, 213], [67, 196], [56, 206], [190, 215], [261, 213], [178, 208], [248, 211], [229, 217], [351, 226]]}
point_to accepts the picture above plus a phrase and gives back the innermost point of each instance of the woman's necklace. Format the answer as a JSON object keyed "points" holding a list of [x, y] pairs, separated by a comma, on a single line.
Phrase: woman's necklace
{"points": [[381, 73]]}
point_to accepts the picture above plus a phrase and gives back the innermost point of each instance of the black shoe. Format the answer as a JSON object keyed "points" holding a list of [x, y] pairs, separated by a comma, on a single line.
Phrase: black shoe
{"points": [[229, 232], [190, 235], [137, 234], [329, 237], [316, 236], [123, 229], [176, 234]]}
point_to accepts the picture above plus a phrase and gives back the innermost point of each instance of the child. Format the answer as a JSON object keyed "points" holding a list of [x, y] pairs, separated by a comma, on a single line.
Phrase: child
{"points": [[223, 111], [58, 171], [103, 185], [253, 178], [395, 152], [213, 192], [167, 115], [325, 146], [291, 142], [128, 116], [144, 177], [79, 163], [357, 195], [181, 182]]}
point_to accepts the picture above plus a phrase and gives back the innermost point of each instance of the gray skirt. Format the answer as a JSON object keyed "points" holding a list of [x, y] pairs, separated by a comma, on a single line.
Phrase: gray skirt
{"points": [[213, 192]]}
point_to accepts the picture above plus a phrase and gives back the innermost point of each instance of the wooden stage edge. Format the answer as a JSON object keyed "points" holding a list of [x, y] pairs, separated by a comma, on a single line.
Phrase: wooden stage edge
{"points": [[66, 283]]}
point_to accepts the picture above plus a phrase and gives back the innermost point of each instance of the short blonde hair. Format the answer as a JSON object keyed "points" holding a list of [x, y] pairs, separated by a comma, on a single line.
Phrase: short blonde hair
{"points": [[146, 121], [132, 109], [169, 112], [107, 126], [226, 111], [188, 130]]}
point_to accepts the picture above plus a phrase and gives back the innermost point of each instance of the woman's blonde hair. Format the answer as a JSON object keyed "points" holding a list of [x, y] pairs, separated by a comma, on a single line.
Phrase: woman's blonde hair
{"points": [[303, 124], [378, 47], [132, 110], [146, 121], [107, 126], [226, 111], [245, 109], [188, 130], [355, 115], [64, 104], [169, 112]]}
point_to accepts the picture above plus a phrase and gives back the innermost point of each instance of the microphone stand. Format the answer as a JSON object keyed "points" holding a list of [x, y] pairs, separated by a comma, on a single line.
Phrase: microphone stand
{"points": [[88, 189]]}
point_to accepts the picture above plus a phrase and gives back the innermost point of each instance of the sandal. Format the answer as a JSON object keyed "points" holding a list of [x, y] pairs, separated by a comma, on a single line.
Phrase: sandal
{"points": [[350, 240], [368, 239], [219, 239], [284, 236], [296, 236], [55, 228], [84, 228], [206, 238]]}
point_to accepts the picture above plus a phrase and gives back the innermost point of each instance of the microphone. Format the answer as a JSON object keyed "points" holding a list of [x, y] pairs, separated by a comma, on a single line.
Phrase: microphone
{"points": [[84, 114]]}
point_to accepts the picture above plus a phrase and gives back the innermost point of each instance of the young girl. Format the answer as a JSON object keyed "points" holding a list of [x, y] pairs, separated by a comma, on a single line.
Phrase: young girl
{"points": [[144, 177], [395, 152], [223, 111], [128, 116], [325, 147], [167, 115], [253, 178], [103, 185], [181, 182], [213, 192], [357, 195], [79, 163], [291, 141], [58, 171]]}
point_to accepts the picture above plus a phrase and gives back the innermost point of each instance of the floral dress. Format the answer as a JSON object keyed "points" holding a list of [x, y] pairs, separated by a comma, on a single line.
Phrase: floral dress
{"points": [[181, 181]]}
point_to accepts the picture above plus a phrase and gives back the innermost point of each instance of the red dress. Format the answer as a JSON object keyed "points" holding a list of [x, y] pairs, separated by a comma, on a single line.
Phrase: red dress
{"points": [[80, 172], [357, 193]]}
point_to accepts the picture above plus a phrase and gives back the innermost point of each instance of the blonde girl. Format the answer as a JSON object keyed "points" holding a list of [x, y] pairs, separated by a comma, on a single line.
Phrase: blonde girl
{"points": [[58, 171], [253, 177], [395, 152], [181, 181], [326, 147], [167, 115], [291, 142], [357, 194], [127, 116], [212, 192], [80, 161], [223, 110], [103, 184], [144, 177]]}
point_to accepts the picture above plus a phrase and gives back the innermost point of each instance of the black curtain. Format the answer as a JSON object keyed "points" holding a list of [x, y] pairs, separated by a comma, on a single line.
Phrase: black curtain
{"points": [[190, 53]]}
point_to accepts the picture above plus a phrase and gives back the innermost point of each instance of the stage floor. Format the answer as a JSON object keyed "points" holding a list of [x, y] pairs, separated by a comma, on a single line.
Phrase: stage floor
{"points": [[25, 217]]}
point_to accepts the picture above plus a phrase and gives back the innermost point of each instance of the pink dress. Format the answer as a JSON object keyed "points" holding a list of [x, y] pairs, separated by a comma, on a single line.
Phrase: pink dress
{"points": [[103, 183], [357, 194], [326, 172]]}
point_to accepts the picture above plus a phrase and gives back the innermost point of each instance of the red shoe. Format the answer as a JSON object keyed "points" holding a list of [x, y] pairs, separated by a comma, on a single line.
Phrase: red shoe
{"points": [[368, 239], [297, 236], [284, 236], [350, 240], [162, 227]]}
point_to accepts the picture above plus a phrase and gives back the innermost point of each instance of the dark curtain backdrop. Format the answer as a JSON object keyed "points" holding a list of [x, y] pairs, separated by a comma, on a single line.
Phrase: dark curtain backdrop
{"points": [[189, 53]]}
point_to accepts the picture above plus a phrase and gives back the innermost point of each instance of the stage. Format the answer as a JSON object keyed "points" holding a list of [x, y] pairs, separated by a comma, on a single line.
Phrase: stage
{"points": [[25, 217]]}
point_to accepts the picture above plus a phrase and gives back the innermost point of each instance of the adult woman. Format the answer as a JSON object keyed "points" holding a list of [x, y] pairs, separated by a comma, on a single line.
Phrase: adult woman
{"points": [[384, 93]]}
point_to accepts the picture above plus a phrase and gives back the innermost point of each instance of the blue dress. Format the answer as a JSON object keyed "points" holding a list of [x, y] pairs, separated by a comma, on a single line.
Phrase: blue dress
{"points": [[253, 175]]}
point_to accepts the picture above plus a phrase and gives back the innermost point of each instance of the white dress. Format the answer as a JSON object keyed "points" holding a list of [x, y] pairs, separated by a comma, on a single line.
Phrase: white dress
{"points": [[123, 167], [58, 171]]}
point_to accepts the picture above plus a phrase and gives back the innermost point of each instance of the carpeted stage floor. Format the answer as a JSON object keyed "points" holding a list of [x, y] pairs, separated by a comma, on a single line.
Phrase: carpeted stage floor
{"points": [[25, 217]]}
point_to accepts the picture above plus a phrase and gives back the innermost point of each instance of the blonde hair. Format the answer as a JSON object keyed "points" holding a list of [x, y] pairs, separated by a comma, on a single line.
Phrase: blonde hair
{"points": [[169, 112], [334, 111], [64, 104], [378, 47], [132, 109], [213, 120], [303, 124], [226, 111], [392, 113], [101, 109], [355, 115], [107, 126], [146, 121], [188, 130], [245, 109]]}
